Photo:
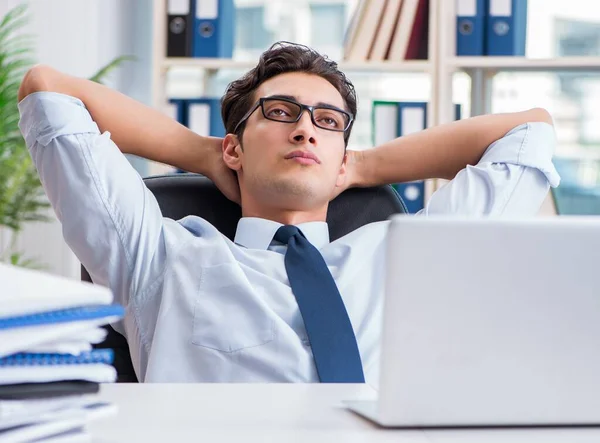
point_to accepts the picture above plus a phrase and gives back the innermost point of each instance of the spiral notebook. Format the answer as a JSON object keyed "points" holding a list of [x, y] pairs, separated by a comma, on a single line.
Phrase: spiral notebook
{"points": [[34, 359], [26, 291], [79, 313], [94, 366], [22, 332]]}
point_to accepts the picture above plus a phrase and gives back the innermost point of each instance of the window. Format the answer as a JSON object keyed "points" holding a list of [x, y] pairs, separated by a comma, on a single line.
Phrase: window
{"points": [[251, 34]]}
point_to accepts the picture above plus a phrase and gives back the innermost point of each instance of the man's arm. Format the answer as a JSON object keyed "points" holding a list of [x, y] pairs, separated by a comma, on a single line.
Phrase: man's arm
{"points": [[438, 152], [138, 129]]}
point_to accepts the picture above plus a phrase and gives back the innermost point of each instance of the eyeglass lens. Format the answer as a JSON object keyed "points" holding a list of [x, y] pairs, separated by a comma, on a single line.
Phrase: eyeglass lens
{"points": [[284, 111]]}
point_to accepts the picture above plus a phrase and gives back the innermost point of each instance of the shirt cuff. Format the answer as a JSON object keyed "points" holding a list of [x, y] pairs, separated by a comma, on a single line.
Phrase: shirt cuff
{"points": [[47, 115], [531, 145]]}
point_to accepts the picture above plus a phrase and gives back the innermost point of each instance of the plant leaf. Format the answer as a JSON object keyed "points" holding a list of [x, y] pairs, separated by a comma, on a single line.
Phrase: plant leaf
{"points": [[99, 76]]}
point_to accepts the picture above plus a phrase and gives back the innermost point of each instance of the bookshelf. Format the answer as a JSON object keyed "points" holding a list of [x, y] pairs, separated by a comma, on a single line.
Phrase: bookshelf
{"points": [[441, 67], [525, 64], [214, 64], [162, 64]]}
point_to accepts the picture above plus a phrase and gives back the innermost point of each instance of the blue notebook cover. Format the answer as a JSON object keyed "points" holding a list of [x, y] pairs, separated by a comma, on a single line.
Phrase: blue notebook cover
{"points": [[91, 312], [34, 359]]}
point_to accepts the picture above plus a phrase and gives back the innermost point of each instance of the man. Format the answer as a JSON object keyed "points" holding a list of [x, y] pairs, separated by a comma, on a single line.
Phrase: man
{"points": [[202, 308]]}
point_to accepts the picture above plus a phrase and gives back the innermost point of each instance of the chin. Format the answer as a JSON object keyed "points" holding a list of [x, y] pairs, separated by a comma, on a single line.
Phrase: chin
{"points": [[279, 190]]}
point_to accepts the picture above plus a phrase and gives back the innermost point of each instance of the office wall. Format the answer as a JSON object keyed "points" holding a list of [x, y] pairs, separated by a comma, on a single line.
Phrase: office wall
{"points": [[79, 37]]}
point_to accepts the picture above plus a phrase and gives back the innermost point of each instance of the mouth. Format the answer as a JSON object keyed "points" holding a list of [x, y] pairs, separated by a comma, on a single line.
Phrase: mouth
{"points": [[303, 157]]}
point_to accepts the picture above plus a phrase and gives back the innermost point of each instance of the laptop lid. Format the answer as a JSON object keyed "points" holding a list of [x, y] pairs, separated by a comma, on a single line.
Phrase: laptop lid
{"points": [[491, 322]]}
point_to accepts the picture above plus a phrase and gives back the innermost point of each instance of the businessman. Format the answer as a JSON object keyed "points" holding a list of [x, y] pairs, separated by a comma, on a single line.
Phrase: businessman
{"points": [[281, 303]]}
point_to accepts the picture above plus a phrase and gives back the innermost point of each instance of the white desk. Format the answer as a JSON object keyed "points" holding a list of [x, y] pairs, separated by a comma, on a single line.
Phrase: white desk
{"points": [[244, 413]]}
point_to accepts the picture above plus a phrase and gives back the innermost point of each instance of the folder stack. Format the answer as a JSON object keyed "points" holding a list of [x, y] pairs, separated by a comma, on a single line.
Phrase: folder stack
{"points": [[393, 119], [49, 373], [202, 115], [200, 28], [393, 30], [491, 27]]}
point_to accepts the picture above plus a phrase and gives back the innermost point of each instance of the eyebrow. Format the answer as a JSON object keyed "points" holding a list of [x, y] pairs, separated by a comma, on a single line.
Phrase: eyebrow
{"points": [[294, 98]]}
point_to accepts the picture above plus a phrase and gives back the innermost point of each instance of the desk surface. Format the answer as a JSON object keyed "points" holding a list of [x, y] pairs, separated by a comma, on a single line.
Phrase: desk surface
{"points": [[244, 413]]}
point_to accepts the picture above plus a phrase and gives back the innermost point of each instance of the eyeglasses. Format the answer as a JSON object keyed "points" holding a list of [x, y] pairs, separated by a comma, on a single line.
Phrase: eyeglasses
{"points": [[289, 111]]}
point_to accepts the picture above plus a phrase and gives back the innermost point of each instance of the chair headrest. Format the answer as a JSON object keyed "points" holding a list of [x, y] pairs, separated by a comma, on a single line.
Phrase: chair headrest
{"points": [[180, 195]]}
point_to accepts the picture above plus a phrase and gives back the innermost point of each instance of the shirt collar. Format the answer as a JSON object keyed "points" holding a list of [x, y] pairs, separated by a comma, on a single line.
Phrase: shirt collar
{"points": [[258, 233]]}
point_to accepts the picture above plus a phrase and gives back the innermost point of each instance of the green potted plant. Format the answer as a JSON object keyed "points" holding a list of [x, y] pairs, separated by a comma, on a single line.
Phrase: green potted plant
{"points": [[22, 198]]}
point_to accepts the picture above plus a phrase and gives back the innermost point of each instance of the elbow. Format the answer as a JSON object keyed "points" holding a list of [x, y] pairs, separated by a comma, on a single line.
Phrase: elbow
{"points": [[540, 115], [36, 79]]}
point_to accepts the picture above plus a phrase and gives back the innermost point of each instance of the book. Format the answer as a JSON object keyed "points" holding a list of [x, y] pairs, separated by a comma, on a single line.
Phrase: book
{"points": [[43, 425], [366, 30], [410, 35], [385, 33], [48, 359], [54, 390], [27, 337], [93, 372], [67, 315], [27, 291]]}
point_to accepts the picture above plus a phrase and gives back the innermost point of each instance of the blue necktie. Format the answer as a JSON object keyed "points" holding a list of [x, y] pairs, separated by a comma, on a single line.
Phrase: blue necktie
{"points": [[327, 324]]}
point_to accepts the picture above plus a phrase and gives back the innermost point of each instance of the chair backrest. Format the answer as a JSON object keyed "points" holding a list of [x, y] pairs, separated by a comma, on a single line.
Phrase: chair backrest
{"points": [[179, 195]]}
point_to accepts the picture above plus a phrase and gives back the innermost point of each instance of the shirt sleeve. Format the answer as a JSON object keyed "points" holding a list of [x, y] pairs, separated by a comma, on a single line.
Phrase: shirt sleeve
{"points": [[109, 218], [513, 177]]}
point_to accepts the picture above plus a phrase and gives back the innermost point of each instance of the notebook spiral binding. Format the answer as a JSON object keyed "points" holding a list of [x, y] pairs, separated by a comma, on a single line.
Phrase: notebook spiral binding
{"points": [[62, 316], [95, 356]]}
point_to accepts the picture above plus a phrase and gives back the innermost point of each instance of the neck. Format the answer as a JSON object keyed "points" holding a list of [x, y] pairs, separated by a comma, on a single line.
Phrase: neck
{"points": [[284, 215]]}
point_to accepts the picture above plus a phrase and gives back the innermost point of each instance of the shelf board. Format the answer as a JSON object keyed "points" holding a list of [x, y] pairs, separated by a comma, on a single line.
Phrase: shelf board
{"points": [[213, 64], [588, 63]]}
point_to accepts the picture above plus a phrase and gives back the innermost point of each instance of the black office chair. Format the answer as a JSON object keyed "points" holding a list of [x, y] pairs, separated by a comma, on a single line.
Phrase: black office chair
{"points": [[179, 195]]}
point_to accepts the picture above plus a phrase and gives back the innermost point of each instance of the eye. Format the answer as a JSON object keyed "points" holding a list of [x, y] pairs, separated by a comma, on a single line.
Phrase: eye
{"points": [[278, 112], [329, 118], [330, 121]]}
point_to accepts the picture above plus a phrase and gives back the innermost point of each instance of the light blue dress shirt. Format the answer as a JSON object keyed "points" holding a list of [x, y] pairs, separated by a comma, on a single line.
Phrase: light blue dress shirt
{"points": [[201, 308]]}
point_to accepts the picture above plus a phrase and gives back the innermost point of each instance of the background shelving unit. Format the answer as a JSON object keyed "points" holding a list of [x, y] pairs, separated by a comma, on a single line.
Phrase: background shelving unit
{"points": [[440, 68], [161, 64], [214, 64], [483, 69]]}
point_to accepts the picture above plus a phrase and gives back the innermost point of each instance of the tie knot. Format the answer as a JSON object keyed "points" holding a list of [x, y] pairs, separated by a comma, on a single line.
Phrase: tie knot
{"points": [[286, 232]]}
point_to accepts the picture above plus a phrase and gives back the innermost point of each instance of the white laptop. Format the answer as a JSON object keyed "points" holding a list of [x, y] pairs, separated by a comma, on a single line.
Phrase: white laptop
{"points": [[490, 322]]}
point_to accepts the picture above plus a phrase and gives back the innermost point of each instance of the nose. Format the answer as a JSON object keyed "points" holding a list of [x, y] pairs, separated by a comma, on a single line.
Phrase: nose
{"points": [[304, 130]]}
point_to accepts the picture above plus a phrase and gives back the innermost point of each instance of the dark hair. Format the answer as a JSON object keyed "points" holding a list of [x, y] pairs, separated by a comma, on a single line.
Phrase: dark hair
{"points": [[280, 58]]}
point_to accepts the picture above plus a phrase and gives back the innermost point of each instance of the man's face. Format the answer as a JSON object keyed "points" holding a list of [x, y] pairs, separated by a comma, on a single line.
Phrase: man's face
{"points": [[273, 166]]}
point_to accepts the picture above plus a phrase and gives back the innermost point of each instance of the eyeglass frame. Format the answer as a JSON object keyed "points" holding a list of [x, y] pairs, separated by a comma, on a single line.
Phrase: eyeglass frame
{"points": [[303, 107]]}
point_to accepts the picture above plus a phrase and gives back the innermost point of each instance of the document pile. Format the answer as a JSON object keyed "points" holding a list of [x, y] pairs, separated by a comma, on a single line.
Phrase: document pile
{"points": [[49, 373]]}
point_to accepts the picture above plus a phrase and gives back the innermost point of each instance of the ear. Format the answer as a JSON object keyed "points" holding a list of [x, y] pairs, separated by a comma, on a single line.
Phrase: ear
{"points": [[232, 152], [341, 178]]}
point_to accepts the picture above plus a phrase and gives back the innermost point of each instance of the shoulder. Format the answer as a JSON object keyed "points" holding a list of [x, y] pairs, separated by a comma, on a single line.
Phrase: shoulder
{"points": [[371, 233]]}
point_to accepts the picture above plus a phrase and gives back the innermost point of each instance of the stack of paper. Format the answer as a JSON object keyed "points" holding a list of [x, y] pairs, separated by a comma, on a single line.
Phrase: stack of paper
{"points": [[49, 373]]}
